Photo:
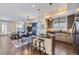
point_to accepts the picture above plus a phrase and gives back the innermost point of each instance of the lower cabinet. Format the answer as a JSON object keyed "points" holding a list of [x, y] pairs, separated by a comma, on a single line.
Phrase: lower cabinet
{"points": [[59, 36], [65, 37], [48, 46]]}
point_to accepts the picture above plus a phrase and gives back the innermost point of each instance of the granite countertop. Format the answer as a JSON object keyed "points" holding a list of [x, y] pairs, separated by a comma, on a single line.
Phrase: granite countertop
{"points": [[45, 36], [65, 32], [41, 36]]}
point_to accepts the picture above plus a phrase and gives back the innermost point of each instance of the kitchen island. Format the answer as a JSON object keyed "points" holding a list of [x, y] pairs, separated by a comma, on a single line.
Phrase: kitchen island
{"points": [[49, 43]]}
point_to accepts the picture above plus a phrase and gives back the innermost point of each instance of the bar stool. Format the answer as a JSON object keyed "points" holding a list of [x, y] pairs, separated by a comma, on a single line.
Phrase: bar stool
{"points": [[38, 46], [41, 47]]}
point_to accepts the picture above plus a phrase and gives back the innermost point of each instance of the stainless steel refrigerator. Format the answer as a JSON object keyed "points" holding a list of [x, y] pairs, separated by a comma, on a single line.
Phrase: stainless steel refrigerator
{"points": [[75, 34]]}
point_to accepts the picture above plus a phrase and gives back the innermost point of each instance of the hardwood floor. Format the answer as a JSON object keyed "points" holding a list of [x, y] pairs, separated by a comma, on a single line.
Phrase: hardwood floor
{"points": [[8, 48], [63, 49]]}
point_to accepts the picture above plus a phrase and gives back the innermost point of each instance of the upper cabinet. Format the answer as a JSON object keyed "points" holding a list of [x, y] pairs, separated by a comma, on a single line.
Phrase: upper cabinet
{"points": [[49, 23], [61, 23], [70, 19]]}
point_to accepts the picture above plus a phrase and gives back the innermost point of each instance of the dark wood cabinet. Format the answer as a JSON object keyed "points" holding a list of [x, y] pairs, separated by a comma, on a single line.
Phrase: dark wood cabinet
{"points": [[49, 23], [70, 19], [61, 22]]}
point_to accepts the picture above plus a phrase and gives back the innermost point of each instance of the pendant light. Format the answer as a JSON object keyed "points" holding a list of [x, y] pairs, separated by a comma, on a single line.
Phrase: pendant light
{"points": [[29, 24], [50, 4], [28, 18], [38, 13]]}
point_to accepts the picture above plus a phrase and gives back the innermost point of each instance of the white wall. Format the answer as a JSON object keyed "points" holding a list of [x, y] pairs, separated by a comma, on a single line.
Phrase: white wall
{"points": [[11, 27], [44, 23]]}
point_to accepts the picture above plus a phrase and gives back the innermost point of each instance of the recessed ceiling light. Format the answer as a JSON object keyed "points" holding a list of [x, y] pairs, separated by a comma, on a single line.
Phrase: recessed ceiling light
{"points": [[77, 9], [33, 6], [60, 9]]}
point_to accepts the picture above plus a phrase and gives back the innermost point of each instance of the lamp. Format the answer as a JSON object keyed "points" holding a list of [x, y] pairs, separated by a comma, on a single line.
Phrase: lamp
{"points": [[50, 18], [28, 18], [38, 12]]}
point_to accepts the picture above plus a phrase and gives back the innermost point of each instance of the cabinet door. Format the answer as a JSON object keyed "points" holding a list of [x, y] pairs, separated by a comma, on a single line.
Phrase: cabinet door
{"points": [[70, 21], [58, 36], [64, 37], [70, 38]]}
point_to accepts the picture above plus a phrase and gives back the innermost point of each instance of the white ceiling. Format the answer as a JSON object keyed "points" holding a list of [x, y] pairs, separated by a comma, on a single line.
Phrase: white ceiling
{"points": [[22, 10]]}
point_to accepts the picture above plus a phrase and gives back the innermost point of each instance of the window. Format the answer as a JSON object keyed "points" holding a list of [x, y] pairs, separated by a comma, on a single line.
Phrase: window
{"points": [[36, 28], [56, 26], [39, 28], [60, 23], [4, 28], [20, 27]]}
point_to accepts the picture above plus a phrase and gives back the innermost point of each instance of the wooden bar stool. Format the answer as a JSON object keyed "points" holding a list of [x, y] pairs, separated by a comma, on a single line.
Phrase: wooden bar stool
{"points": [[38, 46], [34, 47], [41, 46]]}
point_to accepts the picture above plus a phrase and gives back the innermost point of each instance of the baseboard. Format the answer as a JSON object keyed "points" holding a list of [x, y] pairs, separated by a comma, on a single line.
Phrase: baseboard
{"points": [[3, 35]]}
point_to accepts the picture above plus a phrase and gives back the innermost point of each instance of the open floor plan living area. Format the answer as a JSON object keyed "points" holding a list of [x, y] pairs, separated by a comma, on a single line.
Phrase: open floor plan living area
{"points": [[39, 28]]}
